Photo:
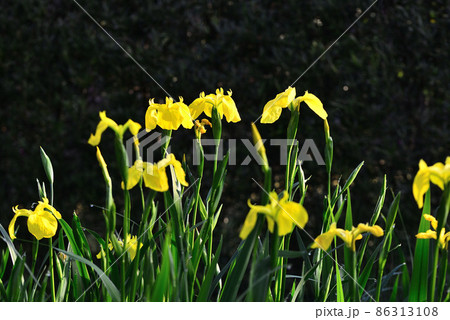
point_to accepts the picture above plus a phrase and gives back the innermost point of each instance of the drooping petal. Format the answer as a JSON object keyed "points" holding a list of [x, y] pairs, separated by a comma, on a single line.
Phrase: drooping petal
{"points": [[249, 224], [131, 246], [313, 103], [134, 174], [432, 219], [179, 172], [437, 174], [155, 177], [375, 230], [105, 122], [272, 110], [229, 108], [198, 106], [134, 127], [271, 224], [17, 213], [429, 234], [42, 224], [44, 205], [290, 214], [421, 183], [324, 240], [151, 116]]}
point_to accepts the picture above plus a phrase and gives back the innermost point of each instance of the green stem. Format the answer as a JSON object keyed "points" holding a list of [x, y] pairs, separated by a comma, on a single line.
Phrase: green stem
{"points": [[34, 257], [442, 273], [442, 215], [434, 275], [52, 271], [354, 281]]}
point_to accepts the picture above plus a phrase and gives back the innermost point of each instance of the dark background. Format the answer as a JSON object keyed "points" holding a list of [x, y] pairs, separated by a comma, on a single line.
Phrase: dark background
{"points": [[384, 84]]}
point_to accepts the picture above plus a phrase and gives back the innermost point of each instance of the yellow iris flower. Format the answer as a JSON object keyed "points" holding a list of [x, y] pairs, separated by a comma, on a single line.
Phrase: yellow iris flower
{"points": [[349, 237], [285, 213], [155, 176], [105, 123], [439, 174], [168, 116], [272, 110], [444, 238], [224, 104], [41, 222], [130, 248], [200, 127]]}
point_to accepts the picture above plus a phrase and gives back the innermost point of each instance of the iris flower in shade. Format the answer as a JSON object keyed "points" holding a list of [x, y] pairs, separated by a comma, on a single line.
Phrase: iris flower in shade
{"points": [[438, 174], [42, 221], [155, 176], [349, 237], [444, 238], [200, 127], [105, 123], [224, 104], [168, 116], [286, 214], [130, 248], [272, 110]]}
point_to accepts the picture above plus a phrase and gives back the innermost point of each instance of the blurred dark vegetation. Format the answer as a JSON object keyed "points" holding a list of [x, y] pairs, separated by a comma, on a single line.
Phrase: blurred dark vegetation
{"points": [[384, 84]]}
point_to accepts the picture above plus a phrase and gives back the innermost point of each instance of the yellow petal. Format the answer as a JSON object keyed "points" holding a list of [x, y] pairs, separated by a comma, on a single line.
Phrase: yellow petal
{"points": [[272, 109], [42, 224], [324, 240], [179, 172], [375, 230], [229, 109], [271, 224], [18, 213], [131, 246], [155, 178], [198, 106], [151, 118], [429, 234], [432, 219], [313, 103], [104, 123], [437, 174], [290, 214], [346, 236], [421, 183], [134, 174], [249, 224], [134, 127], [43, 205]]}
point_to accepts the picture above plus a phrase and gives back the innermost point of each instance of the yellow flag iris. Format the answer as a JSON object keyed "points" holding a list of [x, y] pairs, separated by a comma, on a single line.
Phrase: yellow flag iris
{"points": [[438, 174], [272, 110], [444, 238], [349, 237], [130, 247], [169, 116], [155, 176], [105, 123], [42, 221], [286, 214], [224, 104]]}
